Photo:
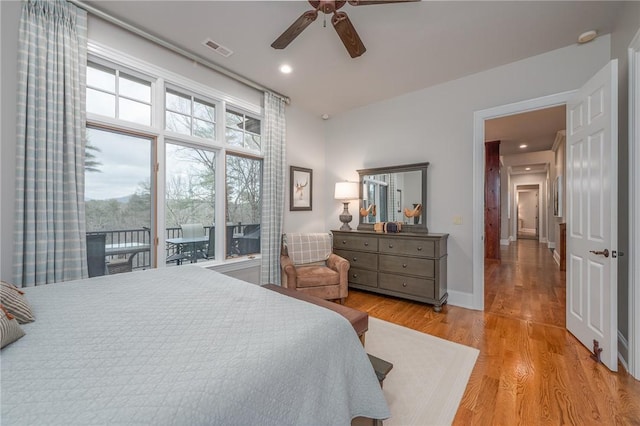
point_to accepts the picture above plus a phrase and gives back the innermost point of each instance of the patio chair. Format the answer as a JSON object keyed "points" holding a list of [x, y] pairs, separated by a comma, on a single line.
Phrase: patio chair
{"points": [[191, 251], [96, 254]]}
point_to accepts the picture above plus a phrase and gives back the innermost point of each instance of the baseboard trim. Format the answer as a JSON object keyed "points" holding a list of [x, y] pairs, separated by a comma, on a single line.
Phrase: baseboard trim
{"points": [[556, 256], [513, 238], [623, 350], [551, 245], [461, 299], [504, 242], [544, 240]]}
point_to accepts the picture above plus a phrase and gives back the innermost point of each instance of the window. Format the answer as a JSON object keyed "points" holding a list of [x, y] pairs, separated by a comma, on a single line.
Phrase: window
{"points": [[188, 115], [189, 192], [116, 94], [242, 130], [244, 204], [118, 193], [203, 182]]}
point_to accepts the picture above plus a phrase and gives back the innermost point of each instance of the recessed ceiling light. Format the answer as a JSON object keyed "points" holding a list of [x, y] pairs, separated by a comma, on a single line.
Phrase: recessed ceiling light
{"points": [[587, 36], [524, 145], [528, 168], [285, 69]]}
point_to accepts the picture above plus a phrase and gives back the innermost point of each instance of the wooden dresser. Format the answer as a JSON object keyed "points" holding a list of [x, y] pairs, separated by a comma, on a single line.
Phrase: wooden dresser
{"points": [[408, 265]]}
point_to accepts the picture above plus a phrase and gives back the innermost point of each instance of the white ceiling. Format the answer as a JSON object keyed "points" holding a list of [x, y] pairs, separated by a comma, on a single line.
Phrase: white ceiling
{"points": [[536, 129], [410, 46]]}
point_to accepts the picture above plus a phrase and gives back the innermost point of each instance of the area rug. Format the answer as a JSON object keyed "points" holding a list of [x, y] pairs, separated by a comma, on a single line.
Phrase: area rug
{"points": [[429, 374]]}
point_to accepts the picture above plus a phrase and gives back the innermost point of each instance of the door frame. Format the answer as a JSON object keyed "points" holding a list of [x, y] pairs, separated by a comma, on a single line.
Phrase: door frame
{"points": [[634, 204], [479, 118], [540, 208]]}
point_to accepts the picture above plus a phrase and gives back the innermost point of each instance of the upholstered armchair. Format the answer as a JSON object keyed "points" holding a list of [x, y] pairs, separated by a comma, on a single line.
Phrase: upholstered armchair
{"points": [[309, 265]]}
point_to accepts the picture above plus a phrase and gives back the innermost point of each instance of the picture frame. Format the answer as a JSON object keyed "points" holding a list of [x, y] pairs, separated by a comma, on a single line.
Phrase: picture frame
{"points": [[300, 189], [557, 196]]}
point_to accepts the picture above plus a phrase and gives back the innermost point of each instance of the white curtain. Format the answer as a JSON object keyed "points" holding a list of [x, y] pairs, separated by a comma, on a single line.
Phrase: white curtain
{"points": [[273, 187], [50, 230]]}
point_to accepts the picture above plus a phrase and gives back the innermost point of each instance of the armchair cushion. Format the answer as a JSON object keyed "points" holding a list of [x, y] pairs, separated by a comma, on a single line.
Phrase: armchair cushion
{"points": [[314, 276], [308, 248]]}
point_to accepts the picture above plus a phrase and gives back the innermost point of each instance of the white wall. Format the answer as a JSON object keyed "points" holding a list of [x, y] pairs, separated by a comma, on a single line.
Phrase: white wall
{"points": [[305, 148], [436, 125]]}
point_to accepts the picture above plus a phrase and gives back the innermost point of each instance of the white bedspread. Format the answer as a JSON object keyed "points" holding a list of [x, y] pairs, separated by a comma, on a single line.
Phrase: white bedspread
{"points": [[183, 345]]}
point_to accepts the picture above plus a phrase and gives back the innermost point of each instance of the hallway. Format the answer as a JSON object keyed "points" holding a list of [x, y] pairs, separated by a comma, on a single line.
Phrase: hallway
{"points": [[527, 285]]}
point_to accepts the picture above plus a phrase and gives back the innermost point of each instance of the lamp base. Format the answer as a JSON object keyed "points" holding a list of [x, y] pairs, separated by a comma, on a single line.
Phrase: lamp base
{"points": [[345, 218]]}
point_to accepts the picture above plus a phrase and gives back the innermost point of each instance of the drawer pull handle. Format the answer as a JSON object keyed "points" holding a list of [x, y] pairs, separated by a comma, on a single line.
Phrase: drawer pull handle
{"points": [[366, 244], [404, 265], [404, 284], [355, 275], [419, 248], [390, 245], [344, 242], [355, 259]]}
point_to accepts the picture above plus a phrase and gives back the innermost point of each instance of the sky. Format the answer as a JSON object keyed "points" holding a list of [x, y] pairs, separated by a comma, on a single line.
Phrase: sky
{"points": [[126, 162]]}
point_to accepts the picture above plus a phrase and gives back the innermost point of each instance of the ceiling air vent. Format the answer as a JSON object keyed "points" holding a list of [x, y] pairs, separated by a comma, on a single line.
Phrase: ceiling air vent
{"points": [[218, 48]]}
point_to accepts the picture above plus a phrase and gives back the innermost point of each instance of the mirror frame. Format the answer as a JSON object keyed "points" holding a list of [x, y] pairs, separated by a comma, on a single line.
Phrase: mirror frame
{"points": [[421, 167]]}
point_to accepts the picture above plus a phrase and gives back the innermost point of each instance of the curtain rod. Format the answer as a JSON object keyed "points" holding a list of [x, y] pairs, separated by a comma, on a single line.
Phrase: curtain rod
{"points": [[200, 60]]}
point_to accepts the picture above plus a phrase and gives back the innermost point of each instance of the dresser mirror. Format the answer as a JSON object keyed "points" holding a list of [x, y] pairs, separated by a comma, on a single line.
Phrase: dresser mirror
{"points": [[394, 194]]}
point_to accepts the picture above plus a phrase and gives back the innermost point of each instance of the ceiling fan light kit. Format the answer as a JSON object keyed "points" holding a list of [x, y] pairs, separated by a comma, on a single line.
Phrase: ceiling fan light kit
{"points": [[340, 21]]}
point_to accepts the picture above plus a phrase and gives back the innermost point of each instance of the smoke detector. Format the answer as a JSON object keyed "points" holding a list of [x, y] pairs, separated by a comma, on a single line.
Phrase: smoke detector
{"points": [[587, 36], [218, 48]]}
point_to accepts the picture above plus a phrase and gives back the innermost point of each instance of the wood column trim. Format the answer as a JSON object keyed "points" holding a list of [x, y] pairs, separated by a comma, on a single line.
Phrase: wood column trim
{"points": [[492, 200]]}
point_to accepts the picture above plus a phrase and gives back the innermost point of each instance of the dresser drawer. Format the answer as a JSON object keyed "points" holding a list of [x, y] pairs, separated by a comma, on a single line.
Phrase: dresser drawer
{"points": [[359, 259], [363, 277], [407, 265], [355, 242], [405, 246], [408, 285]]}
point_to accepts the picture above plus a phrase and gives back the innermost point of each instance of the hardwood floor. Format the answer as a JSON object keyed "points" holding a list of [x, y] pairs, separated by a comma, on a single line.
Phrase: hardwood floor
{"points": [[530, 370]]}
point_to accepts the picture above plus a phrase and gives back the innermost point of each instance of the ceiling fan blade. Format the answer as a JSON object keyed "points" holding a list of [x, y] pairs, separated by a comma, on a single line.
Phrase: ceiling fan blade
{"points": [[348, 34], [295, 29], [367, 2]]}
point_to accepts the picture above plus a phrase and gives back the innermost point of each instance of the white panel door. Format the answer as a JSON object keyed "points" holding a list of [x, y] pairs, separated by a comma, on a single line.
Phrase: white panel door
{"points": [[592, 227]]}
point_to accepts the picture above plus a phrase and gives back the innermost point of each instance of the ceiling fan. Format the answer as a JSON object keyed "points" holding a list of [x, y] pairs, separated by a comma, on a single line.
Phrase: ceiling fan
{"points": [[340, 22]]}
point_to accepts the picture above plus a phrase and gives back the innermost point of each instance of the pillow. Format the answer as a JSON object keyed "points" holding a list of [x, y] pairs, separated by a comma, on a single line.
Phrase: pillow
{"points": [[308, 248], [10, 330], [15, 303]]}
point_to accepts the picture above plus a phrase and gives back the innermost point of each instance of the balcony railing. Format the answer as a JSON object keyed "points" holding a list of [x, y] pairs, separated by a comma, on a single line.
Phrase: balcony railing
{"points": [[242, 239]]}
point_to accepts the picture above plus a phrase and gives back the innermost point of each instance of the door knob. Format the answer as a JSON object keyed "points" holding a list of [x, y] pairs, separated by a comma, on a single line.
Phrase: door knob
{"points": [[604, 252]]}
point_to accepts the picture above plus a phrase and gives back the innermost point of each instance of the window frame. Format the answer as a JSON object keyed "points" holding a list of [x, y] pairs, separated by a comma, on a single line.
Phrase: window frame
{"points": [[133, 74], [179, 90], [245, 132], [162, 79]]}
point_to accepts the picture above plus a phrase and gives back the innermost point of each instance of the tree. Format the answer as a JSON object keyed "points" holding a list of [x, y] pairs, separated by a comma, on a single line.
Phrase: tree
{"points": [[91, 163]]}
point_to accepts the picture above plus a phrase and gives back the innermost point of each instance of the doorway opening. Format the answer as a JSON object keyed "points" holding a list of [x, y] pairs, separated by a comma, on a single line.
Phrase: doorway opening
{"points": [[527, 206], [480, 117]]}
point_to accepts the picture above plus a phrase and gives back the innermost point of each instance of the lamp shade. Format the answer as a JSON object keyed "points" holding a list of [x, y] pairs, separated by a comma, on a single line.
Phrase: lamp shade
{"points": [[346, 191]]}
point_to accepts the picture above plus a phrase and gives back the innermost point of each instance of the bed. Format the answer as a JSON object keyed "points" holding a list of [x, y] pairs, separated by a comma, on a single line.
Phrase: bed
{"points": [[183, 345]]}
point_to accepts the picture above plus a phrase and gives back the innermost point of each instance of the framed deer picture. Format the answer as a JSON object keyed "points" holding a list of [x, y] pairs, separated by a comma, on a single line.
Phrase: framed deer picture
{"points": [[301, 184]]}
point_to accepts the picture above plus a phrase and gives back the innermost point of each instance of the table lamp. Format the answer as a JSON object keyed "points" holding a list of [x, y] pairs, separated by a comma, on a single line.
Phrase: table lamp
{"points": [[345, 192]]}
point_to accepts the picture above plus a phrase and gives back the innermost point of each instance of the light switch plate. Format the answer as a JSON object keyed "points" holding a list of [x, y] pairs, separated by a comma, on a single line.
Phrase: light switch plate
{"points": [[457, 220]]}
